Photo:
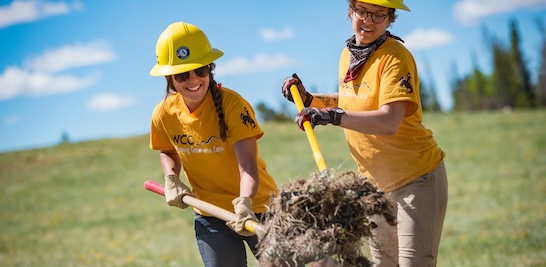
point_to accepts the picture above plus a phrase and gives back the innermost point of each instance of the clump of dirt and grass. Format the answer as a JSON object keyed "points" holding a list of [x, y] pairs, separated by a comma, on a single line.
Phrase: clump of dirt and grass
{"points": [[321, 217]]}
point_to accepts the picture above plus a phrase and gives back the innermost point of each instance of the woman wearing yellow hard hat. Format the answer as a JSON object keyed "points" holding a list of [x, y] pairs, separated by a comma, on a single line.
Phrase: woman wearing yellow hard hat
{"points": [[379, 108], [210, 133]]}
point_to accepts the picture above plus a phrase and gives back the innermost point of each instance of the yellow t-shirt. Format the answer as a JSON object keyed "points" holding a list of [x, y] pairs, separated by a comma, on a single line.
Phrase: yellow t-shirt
{"points": [[389, 75], [210, 164]]}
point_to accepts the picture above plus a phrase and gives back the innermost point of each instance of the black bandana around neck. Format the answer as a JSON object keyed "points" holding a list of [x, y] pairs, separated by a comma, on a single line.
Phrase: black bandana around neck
{"points": [[360, 53]]}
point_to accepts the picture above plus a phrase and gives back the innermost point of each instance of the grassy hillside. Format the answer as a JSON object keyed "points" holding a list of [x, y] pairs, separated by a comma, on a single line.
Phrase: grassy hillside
{"points": [[84, 204]]}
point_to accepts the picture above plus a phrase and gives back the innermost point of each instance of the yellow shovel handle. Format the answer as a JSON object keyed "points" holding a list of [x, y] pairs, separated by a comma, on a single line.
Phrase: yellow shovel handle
{"points": [[319, 159]]}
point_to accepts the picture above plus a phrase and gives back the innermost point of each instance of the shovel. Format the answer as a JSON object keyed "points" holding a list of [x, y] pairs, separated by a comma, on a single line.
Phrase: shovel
{"points": [[319, 159], [215, 211], [220, 213]]}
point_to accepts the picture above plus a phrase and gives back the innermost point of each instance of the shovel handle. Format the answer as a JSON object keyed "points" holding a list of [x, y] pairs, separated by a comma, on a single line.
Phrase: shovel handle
{"points": [[319, 159], [215, 211]]}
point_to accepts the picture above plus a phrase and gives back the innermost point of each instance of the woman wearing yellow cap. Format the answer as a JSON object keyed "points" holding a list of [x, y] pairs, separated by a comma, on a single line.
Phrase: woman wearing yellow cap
{"points": [[210, 132], [379, 108]]}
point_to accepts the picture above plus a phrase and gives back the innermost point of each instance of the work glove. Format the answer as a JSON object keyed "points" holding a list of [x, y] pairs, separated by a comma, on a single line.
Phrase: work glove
{"points": [[306, 97], [243, 213], [317, 116], [175, 190]]}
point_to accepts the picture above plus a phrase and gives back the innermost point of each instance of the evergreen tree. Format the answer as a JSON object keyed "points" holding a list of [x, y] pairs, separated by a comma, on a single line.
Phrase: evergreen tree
{"points": [[504, 79], [459, 90], [509, 84], [540, 88], [427, 91], [525, 96], [478, 87], [269, 114]]}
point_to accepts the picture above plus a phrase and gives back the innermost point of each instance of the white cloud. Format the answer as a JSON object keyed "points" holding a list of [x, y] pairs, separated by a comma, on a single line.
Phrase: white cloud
{"points": [[271, 35], [471, 11], [71, 56], [421, 39], [109, 101], [15, 82], [40, 75], [21, 11], [259, 63]]}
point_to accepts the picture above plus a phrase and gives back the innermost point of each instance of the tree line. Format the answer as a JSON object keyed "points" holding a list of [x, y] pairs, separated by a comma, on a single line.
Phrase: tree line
{"points": [[509, 85]]}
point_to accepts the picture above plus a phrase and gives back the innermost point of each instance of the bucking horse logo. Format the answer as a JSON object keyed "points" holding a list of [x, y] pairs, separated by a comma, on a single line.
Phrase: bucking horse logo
{"points": [[405, 83], [247, 120]]}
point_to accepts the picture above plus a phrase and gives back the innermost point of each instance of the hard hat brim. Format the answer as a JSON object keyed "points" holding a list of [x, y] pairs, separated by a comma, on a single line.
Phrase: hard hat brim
{"points": [[387, 3], [165, 70]]}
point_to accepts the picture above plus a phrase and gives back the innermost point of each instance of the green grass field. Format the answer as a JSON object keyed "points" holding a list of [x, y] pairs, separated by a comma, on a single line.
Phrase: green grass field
{"points": [[84, 204]]}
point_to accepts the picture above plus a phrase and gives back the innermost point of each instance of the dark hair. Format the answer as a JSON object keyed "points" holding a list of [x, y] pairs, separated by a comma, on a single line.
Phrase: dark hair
{"points": [[391, 13], [216, 96]]}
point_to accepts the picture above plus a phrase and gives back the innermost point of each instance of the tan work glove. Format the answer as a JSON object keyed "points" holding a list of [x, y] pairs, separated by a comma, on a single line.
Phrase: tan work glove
{"points": [[243, 213], [175, 190]]}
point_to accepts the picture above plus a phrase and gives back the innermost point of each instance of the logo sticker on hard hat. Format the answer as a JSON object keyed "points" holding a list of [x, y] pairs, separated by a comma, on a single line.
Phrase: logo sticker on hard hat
{"points": [[182, 52]]}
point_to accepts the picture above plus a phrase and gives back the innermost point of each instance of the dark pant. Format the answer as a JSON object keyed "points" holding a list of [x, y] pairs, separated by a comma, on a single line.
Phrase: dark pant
{"points": [[219, 245]]}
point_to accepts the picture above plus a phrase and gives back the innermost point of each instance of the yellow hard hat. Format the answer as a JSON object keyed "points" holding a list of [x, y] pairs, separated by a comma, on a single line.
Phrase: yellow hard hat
{"points": [[387, 3], [182, 47]]}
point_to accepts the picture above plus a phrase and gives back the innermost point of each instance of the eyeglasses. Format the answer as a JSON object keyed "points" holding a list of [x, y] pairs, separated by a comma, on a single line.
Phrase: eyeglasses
{"points": [[201, 72], [362, 14]]}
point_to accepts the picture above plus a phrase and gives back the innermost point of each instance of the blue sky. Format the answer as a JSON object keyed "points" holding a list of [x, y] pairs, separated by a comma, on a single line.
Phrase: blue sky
{"points": [[81, 68]]}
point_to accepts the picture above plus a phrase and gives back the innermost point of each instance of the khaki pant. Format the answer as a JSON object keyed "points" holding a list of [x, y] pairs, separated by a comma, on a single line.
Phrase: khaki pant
{"points": [[414, 241]]}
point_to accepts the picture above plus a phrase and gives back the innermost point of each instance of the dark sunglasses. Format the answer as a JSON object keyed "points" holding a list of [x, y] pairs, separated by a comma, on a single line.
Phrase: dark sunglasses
{"points": [[201, 72]]}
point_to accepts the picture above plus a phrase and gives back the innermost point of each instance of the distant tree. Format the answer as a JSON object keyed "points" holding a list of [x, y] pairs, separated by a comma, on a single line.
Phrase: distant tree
{"points": [[540, 88], [504, 79], [509, 84], [65, 139], [525, 96], [269, 114], [482, 84], [478, 87], [459, 91], [473, 91], [427, 91], [287, 111], [429, 102], [541, 84], [424, 94]]}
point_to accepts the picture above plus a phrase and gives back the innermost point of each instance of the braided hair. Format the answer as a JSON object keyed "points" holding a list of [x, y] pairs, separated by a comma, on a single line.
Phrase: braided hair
{"points": [[215, 90]]}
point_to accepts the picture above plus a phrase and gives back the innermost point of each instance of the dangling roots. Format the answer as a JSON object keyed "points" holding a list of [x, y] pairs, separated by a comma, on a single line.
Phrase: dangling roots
{"points": [[322, 217]]}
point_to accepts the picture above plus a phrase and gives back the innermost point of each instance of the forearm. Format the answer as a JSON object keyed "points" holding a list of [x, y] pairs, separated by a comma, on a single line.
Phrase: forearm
{"points": [[246, 153], [325, 100], [384, 121], [367, 122], [170, 162], [249, 183]]}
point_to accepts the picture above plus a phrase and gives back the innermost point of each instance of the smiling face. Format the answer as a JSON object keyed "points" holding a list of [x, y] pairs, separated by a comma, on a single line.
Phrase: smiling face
{"points": [[193, 90], [365, 30]]}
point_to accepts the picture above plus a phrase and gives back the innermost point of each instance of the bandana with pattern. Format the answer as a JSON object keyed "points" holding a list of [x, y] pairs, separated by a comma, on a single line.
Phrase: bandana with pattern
{"points": [[360, 53]]}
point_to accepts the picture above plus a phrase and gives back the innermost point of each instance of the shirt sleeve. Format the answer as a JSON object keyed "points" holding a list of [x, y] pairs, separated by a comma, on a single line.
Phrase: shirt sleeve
{"points": [[399, 81], [241, 120], [158, 137]]}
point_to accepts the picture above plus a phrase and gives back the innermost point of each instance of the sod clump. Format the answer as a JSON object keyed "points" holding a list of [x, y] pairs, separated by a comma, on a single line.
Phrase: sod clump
{"points": [[321, 217]]}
